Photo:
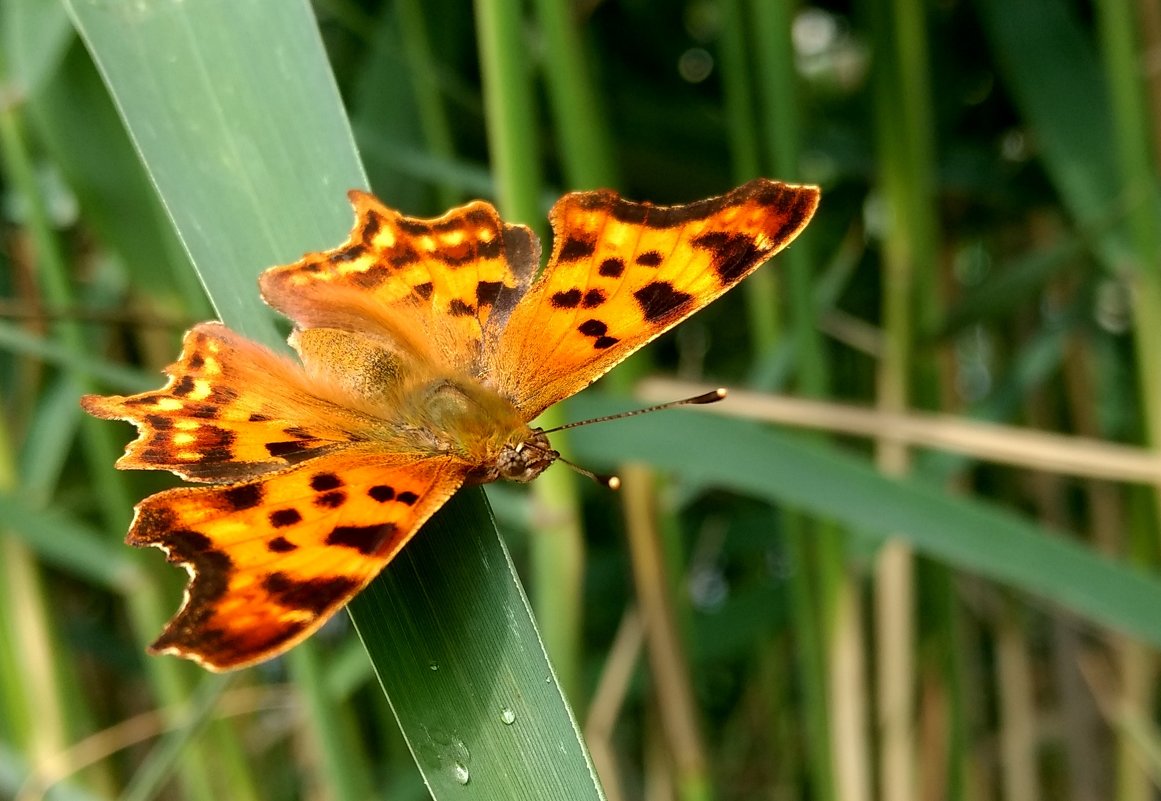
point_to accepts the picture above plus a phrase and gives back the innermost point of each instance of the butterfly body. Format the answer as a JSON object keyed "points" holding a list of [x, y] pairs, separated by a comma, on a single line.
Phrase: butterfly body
{"points": [[472, 424], [425, 351]]}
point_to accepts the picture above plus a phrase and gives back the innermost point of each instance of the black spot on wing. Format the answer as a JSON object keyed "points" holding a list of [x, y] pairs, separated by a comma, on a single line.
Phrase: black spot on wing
{"points": [[322, 482], [188, 543], [281, 545], [575, 249], [593, 298], [382, 493], [402, 255], [281, 518], [611, 268], [349, 253], [211, 567], [371, 277], [184, 386], [371, 226], [593, 328], [566, 300], [457, 308], [487, 292], [796, 213], [214, 444], [220, 395], [598, 330], [659, 300], [733, 255], [413, 227], [312, 595], [407, 498], [491, 249], [424, 290], [331, 500], [246, 496], [650, 258], [366, 540]]}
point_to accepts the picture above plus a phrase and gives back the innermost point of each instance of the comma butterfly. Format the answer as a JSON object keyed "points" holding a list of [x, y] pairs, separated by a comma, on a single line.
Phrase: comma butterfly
{"points": [[426, 349]]}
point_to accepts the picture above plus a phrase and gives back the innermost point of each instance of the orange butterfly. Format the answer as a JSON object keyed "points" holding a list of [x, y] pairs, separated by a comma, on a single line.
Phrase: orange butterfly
{"points": [[426, 349]]}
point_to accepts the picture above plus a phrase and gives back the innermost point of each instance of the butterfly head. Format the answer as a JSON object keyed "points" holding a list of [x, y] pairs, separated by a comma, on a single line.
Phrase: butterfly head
{"points": [[524, 459]]}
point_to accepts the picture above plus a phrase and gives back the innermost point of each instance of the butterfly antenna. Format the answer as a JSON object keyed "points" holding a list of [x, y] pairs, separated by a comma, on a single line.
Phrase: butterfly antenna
{"points": [[606, 481], [697, 400]]}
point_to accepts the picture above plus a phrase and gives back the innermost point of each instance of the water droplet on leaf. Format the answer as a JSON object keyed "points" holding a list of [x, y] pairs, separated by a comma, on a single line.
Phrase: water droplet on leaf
{"points": [[460, 773]]}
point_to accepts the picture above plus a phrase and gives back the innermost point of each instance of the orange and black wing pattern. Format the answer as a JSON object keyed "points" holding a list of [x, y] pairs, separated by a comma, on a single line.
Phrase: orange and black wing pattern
{"points": [[622, 273]]}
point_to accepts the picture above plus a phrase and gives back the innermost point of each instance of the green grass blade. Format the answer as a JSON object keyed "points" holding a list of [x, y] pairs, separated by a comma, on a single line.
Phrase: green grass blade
{"points": [[150, 779], [236, 116], [34, 35], [247, 147], [490, 726], [964, 533]]}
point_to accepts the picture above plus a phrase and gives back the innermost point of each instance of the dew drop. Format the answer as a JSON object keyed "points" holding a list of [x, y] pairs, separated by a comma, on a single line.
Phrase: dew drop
{"points": [[460, 773], [507, 716], [433, 666]]}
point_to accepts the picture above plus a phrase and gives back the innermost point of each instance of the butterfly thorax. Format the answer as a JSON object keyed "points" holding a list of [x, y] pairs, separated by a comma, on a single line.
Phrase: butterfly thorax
{"points": [[422, 408], [471, 422]]}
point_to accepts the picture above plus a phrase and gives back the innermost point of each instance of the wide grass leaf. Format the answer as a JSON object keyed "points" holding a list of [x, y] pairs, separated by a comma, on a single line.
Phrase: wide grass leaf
{"points": [[960, 531], [234, 111]]}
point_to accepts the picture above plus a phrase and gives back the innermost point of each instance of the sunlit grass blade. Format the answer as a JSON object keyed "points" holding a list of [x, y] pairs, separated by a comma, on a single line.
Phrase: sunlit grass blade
{"points": [[251, 154]]}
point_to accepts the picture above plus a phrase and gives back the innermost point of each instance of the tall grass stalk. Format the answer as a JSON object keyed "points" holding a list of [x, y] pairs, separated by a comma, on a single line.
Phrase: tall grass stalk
{"points": [[761, 288], [1138, 174], [581, 123], [904, 143], [838, 706], [423, 70], [670, 677]]}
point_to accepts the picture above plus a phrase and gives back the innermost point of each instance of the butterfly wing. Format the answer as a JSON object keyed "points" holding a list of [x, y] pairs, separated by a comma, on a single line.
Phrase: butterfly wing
{"points": [[622, 273], [427, 288], [231, 410], [272, 559]]}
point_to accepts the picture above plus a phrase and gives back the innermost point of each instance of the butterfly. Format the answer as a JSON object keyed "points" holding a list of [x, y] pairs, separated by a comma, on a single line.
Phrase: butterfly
{"points": [[426, 348]]}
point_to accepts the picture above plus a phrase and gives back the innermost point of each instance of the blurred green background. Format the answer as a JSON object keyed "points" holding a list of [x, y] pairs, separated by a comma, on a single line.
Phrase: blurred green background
{"points": [[913, 557]]}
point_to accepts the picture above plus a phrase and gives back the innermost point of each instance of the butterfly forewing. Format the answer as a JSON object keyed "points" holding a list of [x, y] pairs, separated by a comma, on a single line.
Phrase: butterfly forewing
{"points": [[431, 286], [270, 560], [622, 273]]}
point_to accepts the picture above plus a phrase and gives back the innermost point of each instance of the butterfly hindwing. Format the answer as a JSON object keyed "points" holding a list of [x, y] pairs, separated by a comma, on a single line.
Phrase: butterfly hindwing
{"points": [[621, 273], [272, 559], [231, 410]]}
